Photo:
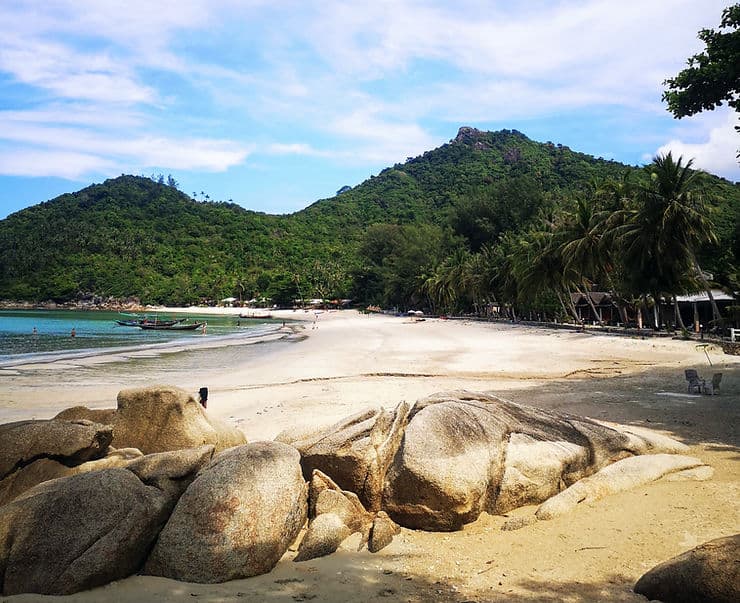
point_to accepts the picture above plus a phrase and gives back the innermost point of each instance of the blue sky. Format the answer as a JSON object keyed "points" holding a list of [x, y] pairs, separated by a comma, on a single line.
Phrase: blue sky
{"points": [[275, 104]]}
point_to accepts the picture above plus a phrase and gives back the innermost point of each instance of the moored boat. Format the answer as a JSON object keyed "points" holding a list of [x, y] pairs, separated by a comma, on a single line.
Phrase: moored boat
{"points": [[173, 327], [255, 315], [137, 321]]}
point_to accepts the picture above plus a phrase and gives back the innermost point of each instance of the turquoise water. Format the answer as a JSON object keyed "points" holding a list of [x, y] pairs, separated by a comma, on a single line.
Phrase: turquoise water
{"points": [[97, 332]]}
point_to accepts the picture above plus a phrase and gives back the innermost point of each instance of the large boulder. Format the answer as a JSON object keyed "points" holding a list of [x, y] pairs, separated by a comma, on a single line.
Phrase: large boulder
{"points": [[161, 418], [45, 469], [236, 519], [464, 453], [355, 452], [455, 455], [31, 451], [82, 531], [104, 416], [709, 573], [74, 442]]}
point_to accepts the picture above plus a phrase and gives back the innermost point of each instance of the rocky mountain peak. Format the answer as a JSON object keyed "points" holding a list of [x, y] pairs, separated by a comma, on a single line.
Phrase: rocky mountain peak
{"points": [[472, 137]]}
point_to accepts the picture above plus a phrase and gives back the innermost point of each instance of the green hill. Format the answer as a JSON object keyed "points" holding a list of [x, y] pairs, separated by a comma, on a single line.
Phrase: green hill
{"points": [[131, 236]]}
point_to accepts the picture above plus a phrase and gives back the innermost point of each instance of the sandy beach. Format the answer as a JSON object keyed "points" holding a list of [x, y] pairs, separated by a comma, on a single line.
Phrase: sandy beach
{"points": [[333, 364]]}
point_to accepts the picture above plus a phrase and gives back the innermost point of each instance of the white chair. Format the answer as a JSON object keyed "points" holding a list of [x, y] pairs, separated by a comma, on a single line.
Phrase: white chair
{"points": [[712, 387], [696, 383]]}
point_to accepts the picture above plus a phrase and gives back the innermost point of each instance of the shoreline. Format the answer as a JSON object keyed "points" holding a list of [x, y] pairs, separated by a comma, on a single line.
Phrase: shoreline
{"points": [[347, 362]]}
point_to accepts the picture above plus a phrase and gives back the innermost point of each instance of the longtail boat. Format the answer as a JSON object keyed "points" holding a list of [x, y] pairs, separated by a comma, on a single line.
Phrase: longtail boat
{"points": [[173, 327], [138, 321]]}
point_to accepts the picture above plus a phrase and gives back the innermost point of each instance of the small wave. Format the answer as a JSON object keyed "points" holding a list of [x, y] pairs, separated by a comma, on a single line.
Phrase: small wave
{"points": [[117, 353]]}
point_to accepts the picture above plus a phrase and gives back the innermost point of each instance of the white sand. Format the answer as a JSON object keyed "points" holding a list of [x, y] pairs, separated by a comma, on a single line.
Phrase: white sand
{"points": [[348, 362]]}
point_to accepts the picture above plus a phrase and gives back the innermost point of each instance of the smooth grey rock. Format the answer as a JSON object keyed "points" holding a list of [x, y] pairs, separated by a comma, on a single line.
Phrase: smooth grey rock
{"points": [[622, 475], [457, 454], [34, 451], [382, 532], [709, 573], [72, 442], [464, 453], [104, 416], [236, 519], [324, 535], [78, 532], [355, 452], [161, 418], [45, 469]]}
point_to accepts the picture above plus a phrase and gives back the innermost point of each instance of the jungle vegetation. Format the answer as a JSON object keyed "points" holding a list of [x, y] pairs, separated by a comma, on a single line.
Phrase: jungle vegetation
{"points": [[491, 217]]}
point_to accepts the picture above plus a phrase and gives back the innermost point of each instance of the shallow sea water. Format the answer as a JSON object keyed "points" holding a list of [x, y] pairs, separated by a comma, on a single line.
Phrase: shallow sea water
{"points": [[98, 337]]}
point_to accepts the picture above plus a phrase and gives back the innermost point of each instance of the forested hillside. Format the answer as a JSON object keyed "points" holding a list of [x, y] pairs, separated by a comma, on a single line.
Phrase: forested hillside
{"points": [[444, 230]]}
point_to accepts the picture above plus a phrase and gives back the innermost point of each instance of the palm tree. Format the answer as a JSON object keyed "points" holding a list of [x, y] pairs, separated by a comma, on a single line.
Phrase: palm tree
{"points": [[674, 196], [538, 267], [616, 198], [451, 281], [580, 237], [662, 232]]}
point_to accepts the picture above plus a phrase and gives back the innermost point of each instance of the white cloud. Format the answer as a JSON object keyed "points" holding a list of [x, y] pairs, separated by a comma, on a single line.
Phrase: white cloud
{"points": [[294, 148], [69, 74], [183, 154], [78, 150], [50, 162], [716, 152], [378, 139], [84, 114], [110, 81]]}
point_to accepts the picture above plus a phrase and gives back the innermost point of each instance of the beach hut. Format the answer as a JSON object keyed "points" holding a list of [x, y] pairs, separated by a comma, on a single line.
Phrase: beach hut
{"points": [[696, 308], [607, 311]]}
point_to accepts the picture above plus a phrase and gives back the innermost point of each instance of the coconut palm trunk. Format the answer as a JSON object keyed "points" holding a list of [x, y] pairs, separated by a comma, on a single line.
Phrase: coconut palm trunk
{"points": [[677, 310], [715, 309], [592, 306], [572, 306], [566, 311], [656, 311]]}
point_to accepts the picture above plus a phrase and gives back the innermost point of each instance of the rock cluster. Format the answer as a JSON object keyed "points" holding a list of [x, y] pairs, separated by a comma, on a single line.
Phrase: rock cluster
{"points": [[335, 514], [78, 532], [185, 497], [76, 513], [452, 456]]}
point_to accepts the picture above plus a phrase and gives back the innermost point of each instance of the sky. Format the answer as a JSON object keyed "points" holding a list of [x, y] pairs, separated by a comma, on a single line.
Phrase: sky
{"points": [[274, 104]]}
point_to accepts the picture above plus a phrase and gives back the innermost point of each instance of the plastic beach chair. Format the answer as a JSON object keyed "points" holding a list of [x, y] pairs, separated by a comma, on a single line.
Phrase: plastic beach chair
{"points": [[712, 387], [696, 384]]}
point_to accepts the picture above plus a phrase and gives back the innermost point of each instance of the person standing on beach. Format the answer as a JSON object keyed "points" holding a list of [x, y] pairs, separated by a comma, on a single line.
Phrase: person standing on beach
{"points": [[35, 331], [73, 333]]}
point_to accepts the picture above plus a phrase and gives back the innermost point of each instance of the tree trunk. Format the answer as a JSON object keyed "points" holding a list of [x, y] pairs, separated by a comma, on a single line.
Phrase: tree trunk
{"points": [[620, 308], [622, 313], [593, 307], [572, 307], [562, 303], [679, 318], [656, 313], [715, 310]]}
